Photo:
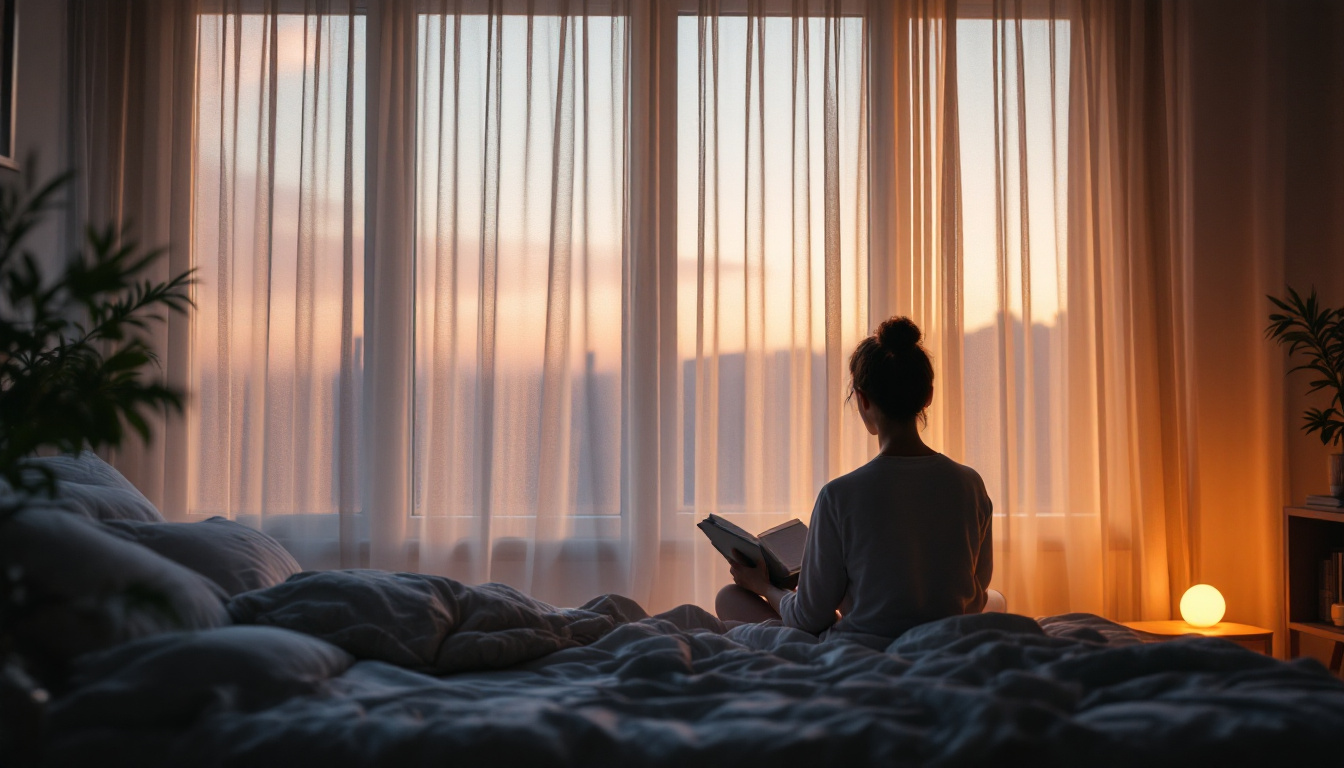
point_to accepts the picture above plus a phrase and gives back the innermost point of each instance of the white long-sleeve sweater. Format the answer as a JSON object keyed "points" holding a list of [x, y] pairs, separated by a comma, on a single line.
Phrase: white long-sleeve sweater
{"points": [[898, 542]]}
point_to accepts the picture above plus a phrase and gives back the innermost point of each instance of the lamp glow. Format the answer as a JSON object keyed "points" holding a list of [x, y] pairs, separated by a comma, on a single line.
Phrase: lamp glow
{"points": [[1202, 606]]}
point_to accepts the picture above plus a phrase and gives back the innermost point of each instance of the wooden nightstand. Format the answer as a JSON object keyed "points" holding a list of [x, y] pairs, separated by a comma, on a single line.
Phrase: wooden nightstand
{"points": [[1254, 638]]}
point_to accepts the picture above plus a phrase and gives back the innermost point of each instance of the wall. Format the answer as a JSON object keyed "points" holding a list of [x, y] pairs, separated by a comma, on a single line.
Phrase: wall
{"points": [[1314, 202], [1266, 210], [1313, 215], [41, 130], [1234, 256]]}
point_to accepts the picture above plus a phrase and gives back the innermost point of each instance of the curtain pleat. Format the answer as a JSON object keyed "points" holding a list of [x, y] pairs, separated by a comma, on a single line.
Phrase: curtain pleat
{"points": [[1020, 157], [915, 228], [389, 279], [1119, 199]]}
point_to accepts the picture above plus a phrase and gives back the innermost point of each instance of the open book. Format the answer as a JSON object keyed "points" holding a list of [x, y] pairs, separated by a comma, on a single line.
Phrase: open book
{"points": [[781, 546]]}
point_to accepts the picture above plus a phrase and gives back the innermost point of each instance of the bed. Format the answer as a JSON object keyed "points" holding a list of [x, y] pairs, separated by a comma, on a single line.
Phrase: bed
{"points": [[364, 668]]}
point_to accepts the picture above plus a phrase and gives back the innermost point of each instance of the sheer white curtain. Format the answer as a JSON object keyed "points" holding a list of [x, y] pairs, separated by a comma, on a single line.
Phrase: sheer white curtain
{"points": [[434, 376], [1127, 318], [277, 348], [520, 291], [132, 149], [520, 296], [916, 227], [1021, 157], [501, 367], [507, 280], [585, 394], [772, 266], [1014, 71]]}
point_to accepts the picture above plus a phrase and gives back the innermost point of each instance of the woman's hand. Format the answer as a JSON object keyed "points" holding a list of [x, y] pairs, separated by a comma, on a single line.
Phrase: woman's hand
{"points": [[755, 578]]}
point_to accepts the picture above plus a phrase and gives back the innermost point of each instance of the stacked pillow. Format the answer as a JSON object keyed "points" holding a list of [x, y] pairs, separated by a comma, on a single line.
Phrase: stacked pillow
{"points": [[102, 568], [89, 589], [237, 558], [91, 488]]}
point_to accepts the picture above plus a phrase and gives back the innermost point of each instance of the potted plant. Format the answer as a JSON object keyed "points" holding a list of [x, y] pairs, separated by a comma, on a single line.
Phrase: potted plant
{"points": [[1314, 334], [76, 372]]}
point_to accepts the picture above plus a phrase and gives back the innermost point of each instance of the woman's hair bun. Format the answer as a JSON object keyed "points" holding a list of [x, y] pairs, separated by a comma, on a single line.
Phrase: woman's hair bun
{"points": [[892, 370], [898, 333]]}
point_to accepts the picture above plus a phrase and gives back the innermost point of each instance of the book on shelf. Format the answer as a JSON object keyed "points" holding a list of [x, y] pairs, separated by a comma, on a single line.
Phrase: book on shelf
{"points": [[1337, 577], [781, 547], [1321, 500], [1327, 593], [1332, 583]]}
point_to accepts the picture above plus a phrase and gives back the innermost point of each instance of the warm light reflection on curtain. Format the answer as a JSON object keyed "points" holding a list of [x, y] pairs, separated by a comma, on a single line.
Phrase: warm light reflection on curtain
{"points": [[1013, 79], [1009, 220]]}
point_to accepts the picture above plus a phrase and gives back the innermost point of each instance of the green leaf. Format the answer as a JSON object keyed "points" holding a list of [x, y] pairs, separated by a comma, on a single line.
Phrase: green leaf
{"points": [[76, 369]]}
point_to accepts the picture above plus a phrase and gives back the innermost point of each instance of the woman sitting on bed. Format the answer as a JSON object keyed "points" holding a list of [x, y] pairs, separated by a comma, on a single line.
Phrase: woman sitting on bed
{"points": [[900, 541]]}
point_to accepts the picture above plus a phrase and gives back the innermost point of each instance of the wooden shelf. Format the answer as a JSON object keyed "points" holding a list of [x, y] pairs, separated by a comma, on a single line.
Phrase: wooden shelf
{"points": [[1317, 513], [1327, 631], [1310, 534]]}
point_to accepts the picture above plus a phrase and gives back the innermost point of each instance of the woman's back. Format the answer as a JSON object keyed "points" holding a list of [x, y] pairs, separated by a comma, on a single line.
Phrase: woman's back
{"points": [[900, 541], [897, 542]]}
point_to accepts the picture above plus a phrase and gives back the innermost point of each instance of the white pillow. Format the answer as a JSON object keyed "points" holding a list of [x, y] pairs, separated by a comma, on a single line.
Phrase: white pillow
{"points": [[90, 589], [89, 486], [232, 555], [171, 679]]}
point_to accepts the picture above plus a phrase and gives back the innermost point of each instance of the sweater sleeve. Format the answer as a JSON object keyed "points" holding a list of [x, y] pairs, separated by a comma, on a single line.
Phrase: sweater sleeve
{"points": [[984, 559], [823, 580]]}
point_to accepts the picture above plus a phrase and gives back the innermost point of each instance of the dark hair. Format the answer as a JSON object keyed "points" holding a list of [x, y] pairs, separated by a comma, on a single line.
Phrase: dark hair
{"points": [[893, 370]]}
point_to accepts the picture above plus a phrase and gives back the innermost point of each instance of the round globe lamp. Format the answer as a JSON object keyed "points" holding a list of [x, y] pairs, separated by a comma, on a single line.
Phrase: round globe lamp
{"points": [[1202, 606]]}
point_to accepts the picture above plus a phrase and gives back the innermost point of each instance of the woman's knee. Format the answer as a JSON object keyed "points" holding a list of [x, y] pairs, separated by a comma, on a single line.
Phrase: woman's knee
{"points": [[733, 603], [728, 599]]}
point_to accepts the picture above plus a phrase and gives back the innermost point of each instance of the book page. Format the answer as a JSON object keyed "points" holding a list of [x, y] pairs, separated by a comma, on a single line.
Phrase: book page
{"points": [[727, 537], [786, 543]]}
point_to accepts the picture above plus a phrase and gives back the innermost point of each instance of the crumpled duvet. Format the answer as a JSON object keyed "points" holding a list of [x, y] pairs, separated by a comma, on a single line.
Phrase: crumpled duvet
{"points": [[421, 622], [683, 689]]}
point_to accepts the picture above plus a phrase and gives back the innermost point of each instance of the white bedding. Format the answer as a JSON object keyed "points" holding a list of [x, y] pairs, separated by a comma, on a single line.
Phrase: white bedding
{"points": [[681, 689]]}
